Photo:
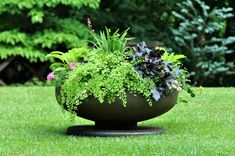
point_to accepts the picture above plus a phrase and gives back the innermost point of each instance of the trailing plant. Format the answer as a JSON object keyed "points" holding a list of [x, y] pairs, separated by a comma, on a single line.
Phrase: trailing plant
{"points": [[200, 35], [109, 70], [107, 76]]}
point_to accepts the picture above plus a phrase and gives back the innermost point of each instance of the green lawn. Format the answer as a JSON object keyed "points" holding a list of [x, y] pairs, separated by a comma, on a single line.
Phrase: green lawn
{"points": [[32, 123]]}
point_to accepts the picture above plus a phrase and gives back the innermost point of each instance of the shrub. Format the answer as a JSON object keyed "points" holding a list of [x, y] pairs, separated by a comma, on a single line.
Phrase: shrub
{"points": [[200, 36], [31, 29]]}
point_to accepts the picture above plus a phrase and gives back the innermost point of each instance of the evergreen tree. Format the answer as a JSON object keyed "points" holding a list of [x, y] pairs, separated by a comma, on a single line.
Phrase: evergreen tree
{"points": [[200, 36]]}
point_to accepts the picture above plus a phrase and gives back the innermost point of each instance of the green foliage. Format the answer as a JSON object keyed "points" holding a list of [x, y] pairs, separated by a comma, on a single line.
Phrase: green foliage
{"points": [[72, 26], [103, 72], [199, 35], [176, 61], [31, 54], [73, 55], [50, 39], [171, 57], [14, 37], [148, 20], [107, 42], [109, 71], [16, 6], [30, 29], [106, 76]]}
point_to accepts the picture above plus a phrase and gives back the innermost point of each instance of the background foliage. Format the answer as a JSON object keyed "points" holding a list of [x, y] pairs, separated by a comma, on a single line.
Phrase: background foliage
{"points": [[149, 20], [43, 26], [31, 29], [200, 35]]}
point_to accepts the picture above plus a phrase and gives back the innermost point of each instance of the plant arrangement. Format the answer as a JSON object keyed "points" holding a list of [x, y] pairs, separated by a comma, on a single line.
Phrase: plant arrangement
{"points": [[111, 69]]}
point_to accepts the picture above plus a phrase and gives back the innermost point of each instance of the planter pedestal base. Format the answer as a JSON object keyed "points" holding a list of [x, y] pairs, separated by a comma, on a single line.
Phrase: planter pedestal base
{"points": [[98, 131]]}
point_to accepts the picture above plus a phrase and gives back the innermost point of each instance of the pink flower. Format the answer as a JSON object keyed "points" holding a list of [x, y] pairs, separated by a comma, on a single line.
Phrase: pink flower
{"points": [[72, 65], [50, 76]]}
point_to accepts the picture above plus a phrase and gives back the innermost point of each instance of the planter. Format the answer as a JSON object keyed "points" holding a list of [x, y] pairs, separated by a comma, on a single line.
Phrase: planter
{"points": [[109, 68], [116, 120]]}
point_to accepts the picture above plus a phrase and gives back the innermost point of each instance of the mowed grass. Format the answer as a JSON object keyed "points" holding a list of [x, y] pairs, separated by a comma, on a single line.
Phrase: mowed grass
{"points": [[32, 123]]}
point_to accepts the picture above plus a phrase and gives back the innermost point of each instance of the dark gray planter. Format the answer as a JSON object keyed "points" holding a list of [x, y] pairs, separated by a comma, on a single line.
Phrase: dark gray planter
{"points": [[116, 118]]}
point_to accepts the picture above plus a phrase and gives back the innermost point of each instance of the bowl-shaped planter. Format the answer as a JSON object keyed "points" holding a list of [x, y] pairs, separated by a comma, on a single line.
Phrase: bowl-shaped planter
{"points": [[115, 119], [93, 84]]}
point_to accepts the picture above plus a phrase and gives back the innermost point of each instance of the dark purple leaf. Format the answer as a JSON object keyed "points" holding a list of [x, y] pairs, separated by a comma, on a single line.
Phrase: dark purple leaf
{"points": [[152, 66]]}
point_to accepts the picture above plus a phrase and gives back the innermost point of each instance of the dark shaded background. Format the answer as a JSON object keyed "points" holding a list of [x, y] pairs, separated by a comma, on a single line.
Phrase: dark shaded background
{"points": [[149, 20]]}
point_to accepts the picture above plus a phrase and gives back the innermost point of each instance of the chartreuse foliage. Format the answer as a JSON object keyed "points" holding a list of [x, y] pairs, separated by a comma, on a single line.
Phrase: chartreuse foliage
{"points": [[105, 76], [32, 28], [200, 36], [171, 57], [73, 55]]}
